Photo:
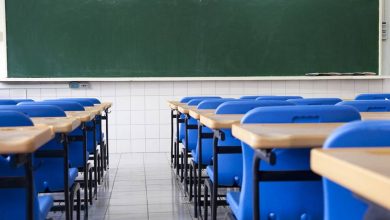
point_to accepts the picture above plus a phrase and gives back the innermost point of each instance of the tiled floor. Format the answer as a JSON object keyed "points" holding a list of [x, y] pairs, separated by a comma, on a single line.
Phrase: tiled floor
{"points": [[139, 186]]}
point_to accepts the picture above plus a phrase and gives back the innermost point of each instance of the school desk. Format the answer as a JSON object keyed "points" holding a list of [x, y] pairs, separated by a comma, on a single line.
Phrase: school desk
{"points": [[23, 141], [364, 171]]}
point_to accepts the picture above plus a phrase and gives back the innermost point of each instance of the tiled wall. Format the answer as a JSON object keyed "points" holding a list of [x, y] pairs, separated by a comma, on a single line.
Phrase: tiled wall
{"points": [[139, 121]]}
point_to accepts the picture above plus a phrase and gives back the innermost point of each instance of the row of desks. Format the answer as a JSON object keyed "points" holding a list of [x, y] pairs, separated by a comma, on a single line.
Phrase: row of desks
{"points": [[365, 171], [28, 139]]}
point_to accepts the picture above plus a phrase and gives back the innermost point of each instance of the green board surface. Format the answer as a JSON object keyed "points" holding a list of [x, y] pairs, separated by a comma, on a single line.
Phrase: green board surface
{"points": [[190, 38]]}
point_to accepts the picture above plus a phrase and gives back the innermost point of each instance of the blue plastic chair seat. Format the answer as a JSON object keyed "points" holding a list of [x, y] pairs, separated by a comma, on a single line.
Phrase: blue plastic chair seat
{"points": [[45, 204], [226, 177], [50, 184]]}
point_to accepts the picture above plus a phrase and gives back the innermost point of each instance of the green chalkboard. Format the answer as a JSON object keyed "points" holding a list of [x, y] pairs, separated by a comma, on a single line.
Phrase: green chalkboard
{"points": [[161, 38]]}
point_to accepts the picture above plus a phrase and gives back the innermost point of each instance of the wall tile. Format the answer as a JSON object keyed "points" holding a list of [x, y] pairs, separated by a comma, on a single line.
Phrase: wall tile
{"points": [[152, 88], [18, 93], [152, 145]]}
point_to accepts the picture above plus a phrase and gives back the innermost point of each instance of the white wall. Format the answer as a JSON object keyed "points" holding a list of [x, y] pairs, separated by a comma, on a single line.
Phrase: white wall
{"points": [[139, 121]]}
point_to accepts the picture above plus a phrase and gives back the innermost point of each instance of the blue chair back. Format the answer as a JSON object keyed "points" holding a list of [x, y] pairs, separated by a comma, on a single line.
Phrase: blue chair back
{"points": [[341, 203], [188, 98], [64, 105], [23, 100], [368, 105], [282, 98], [379, 96], [92, 100], [304, 199], [213, 103], [315, 101], [35, 110], [7, 102], [245, 106], [13, 200], [83, 102], [250, 97], [9, 118]]}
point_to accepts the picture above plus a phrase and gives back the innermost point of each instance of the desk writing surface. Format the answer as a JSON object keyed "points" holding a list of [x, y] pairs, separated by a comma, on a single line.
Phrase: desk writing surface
{"points": [[174, 104], [375, 115], [97, 110], [106, 105], [196, 113], [26, 139], [365, 171], [183, 108], [83, 116], [218, 121], [59, 124], [284, 135]]}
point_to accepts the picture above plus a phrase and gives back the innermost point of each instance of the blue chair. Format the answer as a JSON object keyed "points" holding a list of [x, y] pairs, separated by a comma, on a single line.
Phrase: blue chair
{"points": [[379, 96], [341, 203], [13, 201], [7, 102], [229, 172], [281, 98], [315, 101], [368, 105], [303, 199]]}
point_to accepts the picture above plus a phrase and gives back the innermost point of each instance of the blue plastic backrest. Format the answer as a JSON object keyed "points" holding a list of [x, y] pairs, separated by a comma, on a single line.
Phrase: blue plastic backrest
{"points": [[64, 105], [36, 110], [302, 114], [245, 106], [194, 102], [301, 197], [278, 97], [340, 203], [213, 103], [315, 101], [82, 102], [23, 100], [188, 98], [250, 97], [14, 118], [368, 105], [379, 96], [92, 100], [7, 102]]}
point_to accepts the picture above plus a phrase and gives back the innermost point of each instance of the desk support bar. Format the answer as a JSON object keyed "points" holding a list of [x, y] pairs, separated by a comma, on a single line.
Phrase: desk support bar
{"points": [[30, 186]]}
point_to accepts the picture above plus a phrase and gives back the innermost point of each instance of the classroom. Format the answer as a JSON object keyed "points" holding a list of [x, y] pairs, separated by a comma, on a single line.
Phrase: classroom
{"points": [[183, 110]]}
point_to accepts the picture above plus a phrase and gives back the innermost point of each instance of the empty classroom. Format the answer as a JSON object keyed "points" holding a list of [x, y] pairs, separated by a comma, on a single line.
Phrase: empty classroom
{"points": [[165, 109]]}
